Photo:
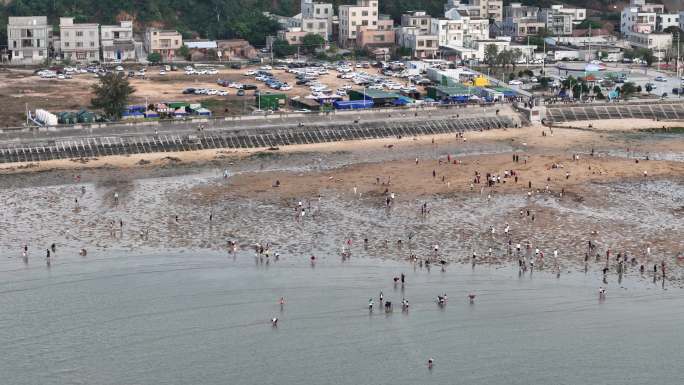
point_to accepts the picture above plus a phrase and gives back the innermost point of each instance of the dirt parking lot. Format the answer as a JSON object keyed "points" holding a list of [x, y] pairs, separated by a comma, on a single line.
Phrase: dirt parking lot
{"points": [[20, 89]]}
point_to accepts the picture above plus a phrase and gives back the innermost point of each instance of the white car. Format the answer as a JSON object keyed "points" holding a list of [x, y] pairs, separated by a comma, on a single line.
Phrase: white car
{"points": [[60, 76], [250, 73], [515, 83], [190, 72], [265, 68], [280, 67], [189, 68], [212, 72], [222, 93], [162, 72], [285, 87], [534, 79], [212, 92], [119, 68]]}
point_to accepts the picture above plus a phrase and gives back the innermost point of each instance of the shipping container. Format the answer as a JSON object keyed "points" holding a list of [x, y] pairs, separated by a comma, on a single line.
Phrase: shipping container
{"points": [[353, 104]]}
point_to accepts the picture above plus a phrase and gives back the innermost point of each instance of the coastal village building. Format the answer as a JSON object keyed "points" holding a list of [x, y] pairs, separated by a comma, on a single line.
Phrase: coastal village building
{"points": [[117, 42], [351, 17], [521, 20], [28, 39], [639, 26], [382, 36], [557, 23], [486, 9], [458, 28], [79, 42], [166, 43], [315, 18]]}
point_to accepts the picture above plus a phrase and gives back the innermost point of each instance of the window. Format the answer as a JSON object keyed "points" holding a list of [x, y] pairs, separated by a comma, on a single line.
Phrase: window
{"points": [[38, 43], [321, 25], [326, 11], [79, 33], [375, 13], [66, 33], [375, 22], [353, 14], [66, 44], [176, 42], [79, 44], [309, 26], [14, 44], [92, 44], [364, 13], [364, 22]]}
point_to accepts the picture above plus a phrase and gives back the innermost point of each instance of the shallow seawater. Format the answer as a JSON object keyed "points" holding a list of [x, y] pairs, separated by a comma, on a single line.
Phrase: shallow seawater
{"points": [[203, 318]]}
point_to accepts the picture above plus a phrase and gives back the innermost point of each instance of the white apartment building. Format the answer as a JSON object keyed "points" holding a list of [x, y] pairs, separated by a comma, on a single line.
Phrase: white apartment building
{"points": [[79, 41], [422, 46], [640, 17], [28, 39], [521, 20], [577, 14], [166, 43], [557, 23], [117, 41], [666, 20], [418, 19], [364, 13], [458, 29], [486, 9]]}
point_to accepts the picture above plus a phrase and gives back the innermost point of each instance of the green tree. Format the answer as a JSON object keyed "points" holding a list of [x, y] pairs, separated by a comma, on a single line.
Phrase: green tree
{"points": [[491, 52], [674, 30], [312, 41], [111, 94], [154, 57], [282, 48], [628, 89], [184, 52], [586, 24]]}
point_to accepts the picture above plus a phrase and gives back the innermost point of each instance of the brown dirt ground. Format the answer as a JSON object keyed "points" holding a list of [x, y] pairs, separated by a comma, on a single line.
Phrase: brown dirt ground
{"points": [[19, 88]]}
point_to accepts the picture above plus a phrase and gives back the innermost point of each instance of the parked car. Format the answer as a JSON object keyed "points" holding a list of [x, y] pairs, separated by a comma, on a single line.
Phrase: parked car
{"points": [[249, 87], [222, 93], [119, 68], [189, 91], [515, 83], [162, 72], [660, 79], [241, 93]]}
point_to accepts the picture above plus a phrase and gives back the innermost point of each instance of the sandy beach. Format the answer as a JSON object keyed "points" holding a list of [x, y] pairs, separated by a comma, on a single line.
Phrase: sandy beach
{"points": [[627, 198]]}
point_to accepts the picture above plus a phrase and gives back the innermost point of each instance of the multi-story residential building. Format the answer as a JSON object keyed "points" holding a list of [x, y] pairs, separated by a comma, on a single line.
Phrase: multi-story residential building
{"points": [[640, 26], [521, 20], [117, 42], [419, 19], [458, 29], [28, 39], [381, 36], [577, 14], [422, 46], [486, 9], [666, 20], [681, 20], [658, 42], [556, 22], [351, 17], [79, 41], [166, 43], [640, 17]]}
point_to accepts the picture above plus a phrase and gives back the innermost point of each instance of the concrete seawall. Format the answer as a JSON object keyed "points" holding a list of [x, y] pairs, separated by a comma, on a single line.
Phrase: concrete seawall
{"points": [[578, 112], [48, 147]]}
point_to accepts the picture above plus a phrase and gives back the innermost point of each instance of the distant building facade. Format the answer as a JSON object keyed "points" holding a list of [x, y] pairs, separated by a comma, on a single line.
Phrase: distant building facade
{"points": [[79, 42], [363, 14], [117, 42], [164, 42], [28, 39]]}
